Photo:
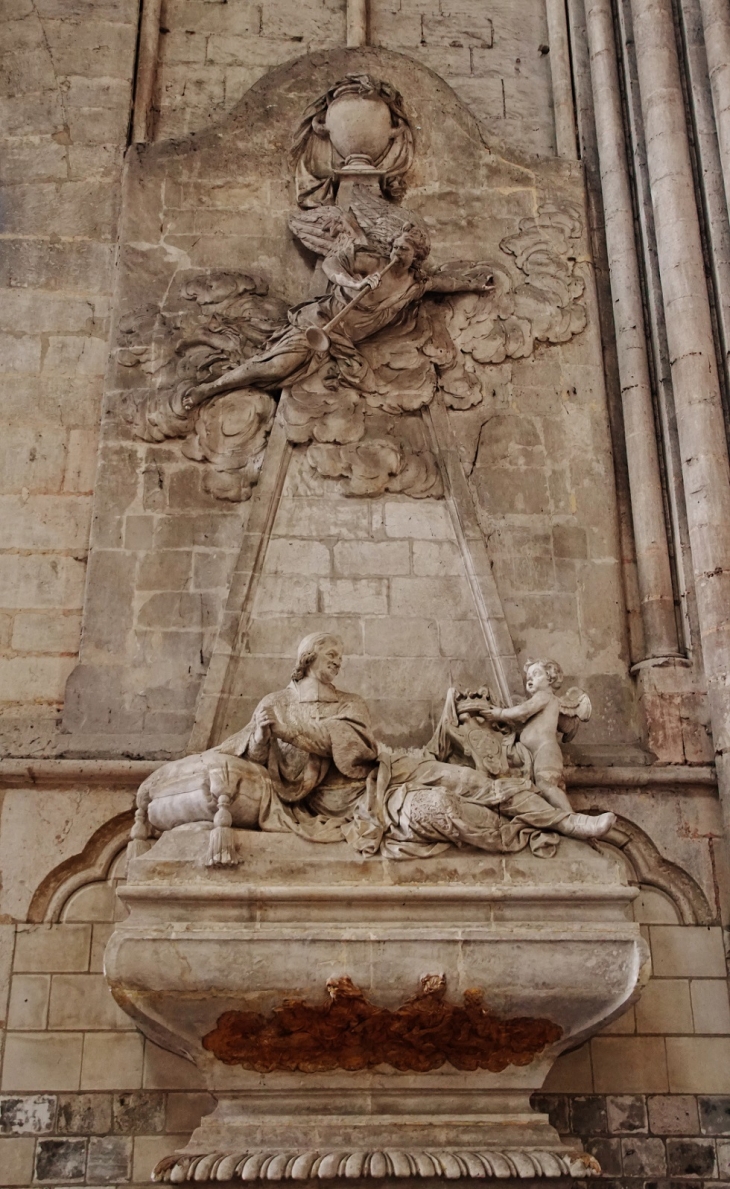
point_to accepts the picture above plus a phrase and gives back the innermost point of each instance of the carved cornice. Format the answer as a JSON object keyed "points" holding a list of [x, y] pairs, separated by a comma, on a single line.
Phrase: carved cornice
{"points": [[21, 774], [670, 777], [452, 1163], [24, 774]]}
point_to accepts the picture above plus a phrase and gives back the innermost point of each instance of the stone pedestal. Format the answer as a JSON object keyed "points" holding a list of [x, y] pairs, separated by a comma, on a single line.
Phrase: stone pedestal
{"points": [[370, 1018]]}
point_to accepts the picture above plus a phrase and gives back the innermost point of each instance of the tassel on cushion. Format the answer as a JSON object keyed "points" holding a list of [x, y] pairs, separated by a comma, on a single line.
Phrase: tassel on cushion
{"points": [[139, 836], [222, 844]]}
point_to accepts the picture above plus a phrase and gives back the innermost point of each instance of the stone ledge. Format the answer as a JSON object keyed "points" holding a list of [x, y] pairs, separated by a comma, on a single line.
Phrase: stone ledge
{"points": [[130, 773], [636, 777]]}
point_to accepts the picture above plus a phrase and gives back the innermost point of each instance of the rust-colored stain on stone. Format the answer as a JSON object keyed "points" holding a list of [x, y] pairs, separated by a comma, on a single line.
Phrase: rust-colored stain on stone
{"points": [[349, 1032]]}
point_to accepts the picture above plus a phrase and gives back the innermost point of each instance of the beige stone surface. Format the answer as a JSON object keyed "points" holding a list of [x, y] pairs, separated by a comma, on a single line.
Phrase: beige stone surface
{"points": [[28, 1005], [99, 938], [571, 1072], [665, 1007], [208, 61], [403, 630], [166, 1071], [710, 1007], [148, 1149], [183, 1111], [94, 902], [112, 1061], [694, 952], [52, 947], [7, 946], [63, 133], [686, 829], [653, 907], [50, 825], [16, 1160], [42, 1061], [84, 1001], [625, 1023], [630, 1065], [698, 1064]]}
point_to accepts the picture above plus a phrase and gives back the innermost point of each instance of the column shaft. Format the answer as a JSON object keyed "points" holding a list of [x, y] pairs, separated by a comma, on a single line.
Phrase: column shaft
{"points": [[149, 41], [716, 25], [700, 424], [357, 23], [652, 550], [563, 106]]}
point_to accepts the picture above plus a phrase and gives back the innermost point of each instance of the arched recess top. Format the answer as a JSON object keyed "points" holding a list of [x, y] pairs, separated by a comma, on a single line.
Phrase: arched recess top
{"points": [[651, 869], [91, 865], [449, 141]]}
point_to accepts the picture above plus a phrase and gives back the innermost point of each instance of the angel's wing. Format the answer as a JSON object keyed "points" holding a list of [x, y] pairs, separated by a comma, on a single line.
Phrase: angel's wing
{"points": [[575, 708], [381, 221], [319, 228]]}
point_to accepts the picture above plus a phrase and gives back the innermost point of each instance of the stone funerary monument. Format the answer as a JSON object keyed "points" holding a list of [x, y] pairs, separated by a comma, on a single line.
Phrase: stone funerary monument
{"points": [[366, 579]]}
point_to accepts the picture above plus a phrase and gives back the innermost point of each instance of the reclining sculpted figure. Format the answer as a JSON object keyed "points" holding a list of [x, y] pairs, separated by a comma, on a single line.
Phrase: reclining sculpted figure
{"points": [[308, 763]]}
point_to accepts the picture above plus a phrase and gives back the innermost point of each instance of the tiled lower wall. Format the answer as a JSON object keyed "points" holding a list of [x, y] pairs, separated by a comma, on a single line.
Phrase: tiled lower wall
{"points": [[640, 1140], [95, 1138], [647, 1140]]}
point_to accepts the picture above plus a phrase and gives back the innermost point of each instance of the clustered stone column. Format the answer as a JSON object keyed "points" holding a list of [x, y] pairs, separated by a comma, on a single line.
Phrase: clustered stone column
{"points": [[716, 24], [652, 550], [563, 104], [700, 423], [149, 41]]}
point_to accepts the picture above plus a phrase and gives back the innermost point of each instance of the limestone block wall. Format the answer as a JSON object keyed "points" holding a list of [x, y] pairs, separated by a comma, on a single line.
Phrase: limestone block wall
{"points": [[495, 58], [388, 576], [65, 106], [540, 453]]}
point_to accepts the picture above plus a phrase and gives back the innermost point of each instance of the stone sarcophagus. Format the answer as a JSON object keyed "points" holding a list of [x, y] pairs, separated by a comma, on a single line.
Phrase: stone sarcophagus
{"points": [[364, 1017]]}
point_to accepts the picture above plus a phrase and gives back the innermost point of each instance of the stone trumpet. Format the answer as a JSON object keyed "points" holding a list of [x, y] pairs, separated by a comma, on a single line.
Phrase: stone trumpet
{"points": [[318, 337]]}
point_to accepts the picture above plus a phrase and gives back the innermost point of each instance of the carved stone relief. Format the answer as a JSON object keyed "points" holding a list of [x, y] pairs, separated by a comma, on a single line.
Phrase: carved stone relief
{"points": [[387, 332], [224, 239], [308, 763]]}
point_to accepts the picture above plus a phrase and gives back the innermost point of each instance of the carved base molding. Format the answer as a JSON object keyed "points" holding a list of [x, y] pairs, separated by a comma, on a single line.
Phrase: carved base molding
{"points": [[270, 1165]]}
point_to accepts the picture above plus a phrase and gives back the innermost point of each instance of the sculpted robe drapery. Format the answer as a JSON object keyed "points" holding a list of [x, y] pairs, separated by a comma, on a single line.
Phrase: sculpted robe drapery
{"points": [[330, 780]]}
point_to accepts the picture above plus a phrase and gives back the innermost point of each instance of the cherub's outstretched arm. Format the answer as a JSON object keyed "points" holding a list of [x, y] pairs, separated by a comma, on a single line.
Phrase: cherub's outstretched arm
{"points": [[461, 276], [523, 711]]}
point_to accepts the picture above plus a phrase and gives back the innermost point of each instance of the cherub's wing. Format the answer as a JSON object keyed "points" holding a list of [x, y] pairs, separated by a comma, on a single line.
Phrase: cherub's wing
{"points": [[575, 708], [381, 221], [319, 228]]}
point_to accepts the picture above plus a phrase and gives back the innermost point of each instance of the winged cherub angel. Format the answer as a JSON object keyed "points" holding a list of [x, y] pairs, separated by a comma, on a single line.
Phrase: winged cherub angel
{"points": [[540, 719], [374, 252]]}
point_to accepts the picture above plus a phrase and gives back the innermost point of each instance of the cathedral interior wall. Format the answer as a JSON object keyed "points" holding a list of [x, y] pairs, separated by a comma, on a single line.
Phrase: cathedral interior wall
{"points": [[117, 566]]}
